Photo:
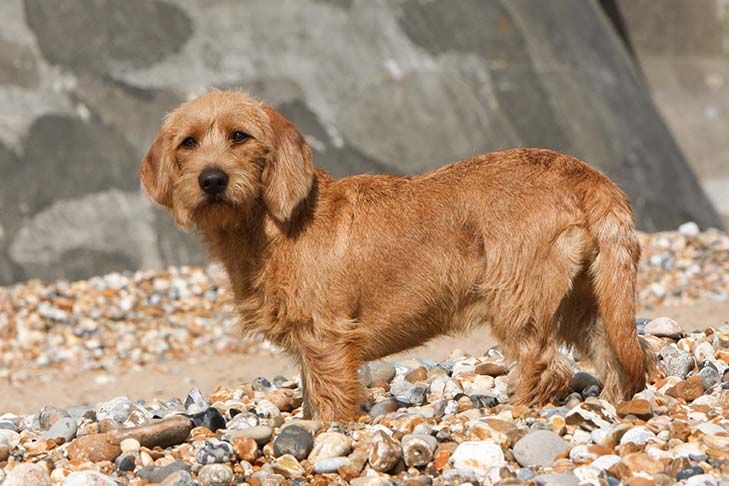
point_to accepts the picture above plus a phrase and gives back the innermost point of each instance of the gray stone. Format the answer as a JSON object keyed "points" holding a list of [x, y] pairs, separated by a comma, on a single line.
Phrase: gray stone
{"points": [[49, 415], [79, 413], [709, 377], [538, 448], [214, 451], [179, 478], [382, 371], [261, 384], [125, 462], [157, 474], [293, 440], [557, 480], [383, 407], [676, 362], [582, 380], [195, 402], [63, 427]]}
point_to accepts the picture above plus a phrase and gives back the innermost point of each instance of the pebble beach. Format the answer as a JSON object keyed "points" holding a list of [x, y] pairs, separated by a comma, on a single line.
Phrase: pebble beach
{"points": [[425, 421]]}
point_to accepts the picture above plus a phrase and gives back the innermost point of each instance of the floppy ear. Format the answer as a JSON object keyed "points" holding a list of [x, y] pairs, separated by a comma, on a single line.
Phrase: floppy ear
{"points": [[155, 182], [288, 174]]}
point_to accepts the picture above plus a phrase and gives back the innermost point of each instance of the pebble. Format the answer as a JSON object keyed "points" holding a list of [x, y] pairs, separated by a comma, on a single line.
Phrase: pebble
{"points": [[582, 380], [215, 475], [478, 456], [130, 445], [538, 448], [210, 418], [63, 427], [288, 466], [385, 452], [676, 362], [330, 444], [637, 435], [330, 465], [557, 480], [663, 327], [27, 475], [709, 377], [179, 478], [429, 422], [260, 433], [293, 440], [195, 402], [382, 371], [94, 448], [639, 408], [384, 407], [157, 474], [418, 449], [689, 389], [214, 451], [89, 478]]}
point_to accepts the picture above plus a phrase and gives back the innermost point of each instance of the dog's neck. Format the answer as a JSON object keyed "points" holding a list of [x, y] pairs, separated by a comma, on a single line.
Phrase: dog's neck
{"points": [[248, 251]]}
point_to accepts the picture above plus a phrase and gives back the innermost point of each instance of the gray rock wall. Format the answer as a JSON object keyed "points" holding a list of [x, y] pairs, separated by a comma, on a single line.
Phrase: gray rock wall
{"points": [[683, 48], [400, 85]]}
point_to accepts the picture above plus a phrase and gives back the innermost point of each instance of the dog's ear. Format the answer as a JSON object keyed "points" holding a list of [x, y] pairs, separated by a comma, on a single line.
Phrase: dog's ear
{"points": [[155, 181], [288, 174]]}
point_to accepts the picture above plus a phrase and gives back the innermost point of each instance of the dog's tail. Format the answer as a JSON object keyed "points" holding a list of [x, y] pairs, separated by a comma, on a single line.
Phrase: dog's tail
{"points": [[613, 273]]}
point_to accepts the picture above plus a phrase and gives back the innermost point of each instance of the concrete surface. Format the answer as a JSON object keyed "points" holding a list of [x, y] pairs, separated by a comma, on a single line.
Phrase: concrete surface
{"points": [[388, 85]]}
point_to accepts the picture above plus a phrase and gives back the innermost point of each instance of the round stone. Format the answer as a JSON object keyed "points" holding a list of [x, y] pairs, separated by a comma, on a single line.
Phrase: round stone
{"points": [[293, 440], [538, 448], [64, 427], [418, 449], [125, 462], [261, 384], [582, 380], [478, 456], [214, 451], [664, 327], [130, 445], [215, 475], [382, 371]]}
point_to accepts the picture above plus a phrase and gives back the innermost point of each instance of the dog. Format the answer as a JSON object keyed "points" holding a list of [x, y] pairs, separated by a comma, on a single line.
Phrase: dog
{"points": [[534, 244]]}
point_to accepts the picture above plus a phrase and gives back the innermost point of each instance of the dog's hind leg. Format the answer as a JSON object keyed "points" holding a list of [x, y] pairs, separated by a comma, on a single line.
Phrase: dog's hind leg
{"points": [[581, 329], [543, 373]]}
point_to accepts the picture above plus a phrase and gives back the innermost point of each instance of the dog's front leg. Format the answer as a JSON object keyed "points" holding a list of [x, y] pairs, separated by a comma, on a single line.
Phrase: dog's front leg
{"points": [[331, 385]]}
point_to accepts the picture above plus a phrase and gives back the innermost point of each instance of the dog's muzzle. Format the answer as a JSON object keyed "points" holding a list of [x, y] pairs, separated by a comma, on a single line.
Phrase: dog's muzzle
{"points": [[212, 181]]}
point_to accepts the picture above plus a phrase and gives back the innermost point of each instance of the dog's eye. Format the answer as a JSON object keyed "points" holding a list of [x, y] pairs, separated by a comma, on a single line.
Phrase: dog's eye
{"points": [[238, 136], [189, 142]]}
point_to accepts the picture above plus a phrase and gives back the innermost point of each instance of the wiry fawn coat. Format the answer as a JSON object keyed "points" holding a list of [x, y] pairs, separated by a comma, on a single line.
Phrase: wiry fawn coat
{"points": [[535, 244]]}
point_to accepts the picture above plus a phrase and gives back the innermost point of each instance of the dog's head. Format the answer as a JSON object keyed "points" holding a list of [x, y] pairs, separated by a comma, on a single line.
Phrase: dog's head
{"points": [[219, 156]]}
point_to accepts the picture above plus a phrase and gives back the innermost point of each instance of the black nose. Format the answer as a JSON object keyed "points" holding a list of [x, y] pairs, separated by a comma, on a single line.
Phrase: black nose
{"points": [[213, 181]]}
